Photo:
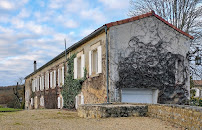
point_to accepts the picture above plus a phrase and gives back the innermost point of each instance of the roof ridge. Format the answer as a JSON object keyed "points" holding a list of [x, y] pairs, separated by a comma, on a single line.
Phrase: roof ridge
{"points": [[151, 13]]}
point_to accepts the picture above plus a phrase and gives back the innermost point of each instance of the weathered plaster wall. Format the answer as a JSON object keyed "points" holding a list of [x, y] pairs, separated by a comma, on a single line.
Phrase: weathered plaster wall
{"points": [[149, 54]]}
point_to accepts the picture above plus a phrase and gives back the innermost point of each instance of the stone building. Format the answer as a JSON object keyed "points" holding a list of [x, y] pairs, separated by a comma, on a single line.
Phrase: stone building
{"points": [[143, 59]]}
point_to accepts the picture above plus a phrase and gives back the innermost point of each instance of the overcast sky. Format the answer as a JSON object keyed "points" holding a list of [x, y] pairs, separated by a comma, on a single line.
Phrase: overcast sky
{"points": [[35, 30]]}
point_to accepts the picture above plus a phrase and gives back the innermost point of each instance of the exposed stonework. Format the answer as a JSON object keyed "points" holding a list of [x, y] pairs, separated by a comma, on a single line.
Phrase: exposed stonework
{"points": [[110, 110], [183, 115], [186, 116]]}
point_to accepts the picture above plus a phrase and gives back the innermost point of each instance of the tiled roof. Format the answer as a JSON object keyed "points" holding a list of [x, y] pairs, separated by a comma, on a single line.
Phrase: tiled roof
{"points": [[97, 31], [152, 13]]}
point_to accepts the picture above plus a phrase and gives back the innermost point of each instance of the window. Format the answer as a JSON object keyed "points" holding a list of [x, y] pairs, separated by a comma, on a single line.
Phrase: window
{"points": [[61, 76], [41, 101], [79, 65], [51, 79], [33, 85], [95, 61], [37, 84], [47, 80], [32, 103], [42, 83]]}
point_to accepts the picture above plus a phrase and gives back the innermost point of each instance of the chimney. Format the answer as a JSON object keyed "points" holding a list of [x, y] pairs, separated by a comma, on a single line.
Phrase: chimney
{"points": [[34, 65]]}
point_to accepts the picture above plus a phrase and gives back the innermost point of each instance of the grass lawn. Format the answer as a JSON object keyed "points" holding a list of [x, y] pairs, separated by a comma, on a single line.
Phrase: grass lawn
{"points": [[9, 110]]}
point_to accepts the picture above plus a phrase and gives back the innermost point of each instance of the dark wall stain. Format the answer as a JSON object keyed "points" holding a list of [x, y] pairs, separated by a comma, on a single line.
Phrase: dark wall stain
{"points": [[152, 66]]}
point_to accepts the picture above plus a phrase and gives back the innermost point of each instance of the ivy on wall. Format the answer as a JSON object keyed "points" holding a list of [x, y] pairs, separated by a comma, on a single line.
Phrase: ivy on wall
{"points": [[72, 87]]}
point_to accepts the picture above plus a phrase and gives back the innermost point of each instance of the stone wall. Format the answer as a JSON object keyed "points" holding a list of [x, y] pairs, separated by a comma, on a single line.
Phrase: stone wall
{"points": [[109, 110], [187, 116]]}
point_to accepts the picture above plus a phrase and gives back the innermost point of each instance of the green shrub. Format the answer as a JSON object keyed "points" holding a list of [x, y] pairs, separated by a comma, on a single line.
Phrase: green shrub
{"points": [[71, 87], [196, 101], [1, 106]]}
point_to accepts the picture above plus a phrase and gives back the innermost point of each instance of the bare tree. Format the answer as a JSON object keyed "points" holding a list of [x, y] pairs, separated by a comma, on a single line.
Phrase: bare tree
{"points": [[184, 14]]}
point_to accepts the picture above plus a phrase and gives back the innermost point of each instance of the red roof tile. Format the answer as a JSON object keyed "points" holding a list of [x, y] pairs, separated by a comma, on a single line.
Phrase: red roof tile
{"points": [[152, 13], [197, 82]]}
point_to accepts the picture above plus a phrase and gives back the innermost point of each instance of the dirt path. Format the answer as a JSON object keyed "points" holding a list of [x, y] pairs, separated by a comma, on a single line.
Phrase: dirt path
{"points": [[61, 119]]}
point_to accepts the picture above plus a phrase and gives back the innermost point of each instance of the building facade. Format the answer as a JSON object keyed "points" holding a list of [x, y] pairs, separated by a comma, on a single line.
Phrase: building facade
{"points": [[143, 59]]}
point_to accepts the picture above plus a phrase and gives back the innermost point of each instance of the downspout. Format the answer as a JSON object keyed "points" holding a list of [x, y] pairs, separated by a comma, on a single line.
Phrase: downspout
{"points": [[107, 65]]}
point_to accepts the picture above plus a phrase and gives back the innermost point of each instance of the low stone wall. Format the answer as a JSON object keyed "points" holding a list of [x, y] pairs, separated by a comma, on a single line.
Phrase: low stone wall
{"points": [[111, 110], [187, 116]]}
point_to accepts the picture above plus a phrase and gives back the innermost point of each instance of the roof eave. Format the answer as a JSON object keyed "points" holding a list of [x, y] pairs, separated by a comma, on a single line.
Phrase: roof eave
{"points": [[82, 41]]}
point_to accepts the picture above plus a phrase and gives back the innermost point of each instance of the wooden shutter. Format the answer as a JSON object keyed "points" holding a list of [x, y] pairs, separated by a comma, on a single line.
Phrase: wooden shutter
{"points": [[58, 102], [40, 87], [82, 65], [51, 79], [42, 82], [54, 79], [75, 68], [90, 60], [48, 80], [58, 77], [37, 84], [63, 75], [99, 50]]}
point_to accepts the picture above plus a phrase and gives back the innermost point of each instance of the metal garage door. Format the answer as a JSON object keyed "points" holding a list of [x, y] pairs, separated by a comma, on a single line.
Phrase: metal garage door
{"points": [[139, 96]]}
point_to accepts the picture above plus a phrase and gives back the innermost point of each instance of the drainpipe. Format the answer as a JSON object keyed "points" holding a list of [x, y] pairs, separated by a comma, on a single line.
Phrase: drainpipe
{"points": [[107, 65]]}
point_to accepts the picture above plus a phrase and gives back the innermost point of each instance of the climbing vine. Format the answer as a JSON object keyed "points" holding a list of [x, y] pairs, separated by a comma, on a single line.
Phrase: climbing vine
{"points": [[72, 87]]}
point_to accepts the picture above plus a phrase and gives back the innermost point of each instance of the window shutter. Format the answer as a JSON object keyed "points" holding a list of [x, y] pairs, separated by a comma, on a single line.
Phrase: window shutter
{"points": [[54, 79], [58, 102], [82, 65], [37, 84], [58, 77], [34, 85], [63, 75], [75, 68], [48, 80], [40, 88], [42, 82], [51, 79], [99, 50], [90, 68]]}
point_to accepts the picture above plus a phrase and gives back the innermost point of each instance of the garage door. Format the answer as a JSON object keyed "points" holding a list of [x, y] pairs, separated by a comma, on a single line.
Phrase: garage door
{"points": [[139, 95]]}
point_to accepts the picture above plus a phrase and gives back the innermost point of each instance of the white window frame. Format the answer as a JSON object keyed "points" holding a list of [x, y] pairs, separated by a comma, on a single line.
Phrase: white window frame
{"points": [[82, 67], [98, 48]]}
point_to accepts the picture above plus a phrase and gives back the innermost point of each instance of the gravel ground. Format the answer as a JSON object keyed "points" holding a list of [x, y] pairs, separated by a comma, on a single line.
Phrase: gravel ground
{"points": [[68, 120]]}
